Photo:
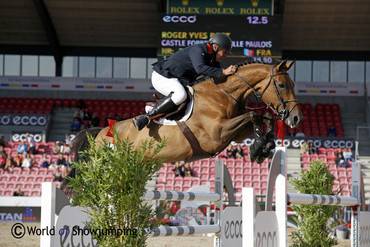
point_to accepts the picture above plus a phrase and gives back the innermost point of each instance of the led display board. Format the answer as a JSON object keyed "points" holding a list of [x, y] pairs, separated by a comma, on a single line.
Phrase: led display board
{"points": [[253, 36]]}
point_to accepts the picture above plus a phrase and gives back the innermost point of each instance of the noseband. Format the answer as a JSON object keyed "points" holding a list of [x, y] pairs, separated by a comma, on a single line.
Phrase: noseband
{"points": [[284, 113]]}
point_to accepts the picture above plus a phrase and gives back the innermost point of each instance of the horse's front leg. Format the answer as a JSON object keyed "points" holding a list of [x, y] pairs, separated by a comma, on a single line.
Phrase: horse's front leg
{"points": [[237, 127], [262, 145]]}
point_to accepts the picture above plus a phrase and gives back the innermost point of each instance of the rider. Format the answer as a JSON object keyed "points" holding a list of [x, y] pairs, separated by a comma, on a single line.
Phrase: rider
{"points": [[182, 68]]}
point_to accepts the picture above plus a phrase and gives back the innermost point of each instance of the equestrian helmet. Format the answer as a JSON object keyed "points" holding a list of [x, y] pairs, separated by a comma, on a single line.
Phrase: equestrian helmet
{"points": [[221, 40]]}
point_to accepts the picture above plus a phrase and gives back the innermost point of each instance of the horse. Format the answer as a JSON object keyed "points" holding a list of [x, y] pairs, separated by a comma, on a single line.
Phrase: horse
{"points": [[219, 115]]}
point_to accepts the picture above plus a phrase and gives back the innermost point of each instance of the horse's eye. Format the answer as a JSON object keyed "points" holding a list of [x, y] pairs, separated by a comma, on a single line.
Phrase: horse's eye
{"points": [[281, 85]]}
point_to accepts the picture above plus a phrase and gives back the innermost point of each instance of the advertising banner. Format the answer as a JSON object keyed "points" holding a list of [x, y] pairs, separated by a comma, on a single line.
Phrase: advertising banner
{"points": [[296, 142], [329, 89], [18, 136], [220, 7], [23, 119], [20, 214], [75, 84]]}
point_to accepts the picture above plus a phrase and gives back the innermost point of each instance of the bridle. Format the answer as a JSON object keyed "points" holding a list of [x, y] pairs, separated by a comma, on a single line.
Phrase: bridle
{"points": [[281, 115]]}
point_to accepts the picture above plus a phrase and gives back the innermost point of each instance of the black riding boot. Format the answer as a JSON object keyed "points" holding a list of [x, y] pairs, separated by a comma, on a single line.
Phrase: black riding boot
{"points": [[259, 141], [164, 106]]}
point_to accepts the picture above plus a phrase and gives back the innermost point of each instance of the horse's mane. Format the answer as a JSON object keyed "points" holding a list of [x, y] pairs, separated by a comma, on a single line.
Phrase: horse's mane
{"points": [[203, 78]]}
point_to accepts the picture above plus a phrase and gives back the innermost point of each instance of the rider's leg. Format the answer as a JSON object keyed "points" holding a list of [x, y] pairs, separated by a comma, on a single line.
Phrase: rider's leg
{"points": [[175, 92]]}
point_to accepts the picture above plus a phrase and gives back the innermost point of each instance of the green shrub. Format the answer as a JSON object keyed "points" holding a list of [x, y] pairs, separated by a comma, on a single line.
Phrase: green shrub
{"points": [[110, 182], [313, 226]]}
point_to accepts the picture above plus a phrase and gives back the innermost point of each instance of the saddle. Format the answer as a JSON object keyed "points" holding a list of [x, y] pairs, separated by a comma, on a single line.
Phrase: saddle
{"points": [[182, 113]]}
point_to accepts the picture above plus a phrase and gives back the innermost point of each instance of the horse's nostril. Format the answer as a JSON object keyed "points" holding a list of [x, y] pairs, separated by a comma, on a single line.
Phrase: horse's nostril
{"points": [[296, 120]]}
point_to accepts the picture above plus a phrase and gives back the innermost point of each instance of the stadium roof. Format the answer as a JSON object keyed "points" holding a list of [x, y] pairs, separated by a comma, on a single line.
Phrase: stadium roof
{"points": [[117, 27]]}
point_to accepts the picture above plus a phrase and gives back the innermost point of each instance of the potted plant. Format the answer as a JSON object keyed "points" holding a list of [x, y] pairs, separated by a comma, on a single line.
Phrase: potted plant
{"points": [[342, 229]]}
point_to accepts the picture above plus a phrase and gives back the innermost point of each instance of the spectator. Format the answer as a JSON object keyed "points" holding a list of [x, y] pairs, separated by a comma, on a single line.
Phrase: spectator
{"points": [[179, 169], [69, 161], [230, 152], [332, 132], [94, 120], [18, 160], [64, 149], [3, 152], [340, 162], [27, 161], [312, 148], [9, 163], [110, 116], [347, 155], [117, 117], [78, 114], [83, 127], [56, 148], [300, 134], [31, 143], [61, 160], [2, 161], [239, 152], [188, 171], [68, 140], [339, 152], [291, 132], [45, 162], [19, 192], [86, 114], [124, 117], [2, 141], [22, 148], [58, 175], [76, 125], [304, 148]]}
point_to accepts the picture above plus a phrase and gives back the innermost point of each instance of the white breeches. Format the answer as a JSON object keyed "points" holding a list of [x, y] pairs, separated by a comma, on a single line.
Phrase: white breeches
{"points": [[167, 85]]}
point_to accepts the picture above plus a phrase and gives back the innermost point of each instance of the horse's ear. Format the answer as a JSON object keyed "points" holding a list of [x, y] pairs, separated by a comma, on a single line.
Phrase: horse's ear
{"points": [[289, 65], [284, 66], [281, 66]]}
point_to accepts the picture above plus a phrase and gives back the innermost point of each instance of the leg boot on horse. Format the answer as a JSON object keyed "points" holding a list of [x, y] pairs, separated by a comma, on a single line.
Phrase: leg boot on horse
{"points": [[259, 142], [164, 106], [270, 140]]}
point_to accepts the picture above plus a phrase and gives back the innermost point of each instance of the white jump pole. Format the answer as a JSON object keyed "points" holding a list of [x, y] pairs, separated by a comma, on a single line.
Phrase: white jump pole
{"points": [[180, 196]]}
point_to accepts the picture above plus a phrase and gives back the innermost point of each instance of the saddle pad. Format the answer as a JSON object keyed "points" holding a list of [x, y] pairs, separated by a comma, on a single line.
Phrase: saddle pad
{"points": [[164, 121]]}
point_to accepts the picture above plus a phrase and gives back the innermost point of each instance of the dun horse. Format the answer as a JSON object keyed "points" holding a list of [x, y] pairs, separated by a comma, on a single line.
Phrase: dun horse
{"points": [[219, 115]]}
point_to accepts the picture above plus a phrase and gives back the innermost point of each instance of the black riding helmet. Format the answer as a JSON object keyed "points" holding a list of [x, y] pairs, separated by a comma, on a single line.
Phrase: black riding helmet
{"points": [[221, 40]]}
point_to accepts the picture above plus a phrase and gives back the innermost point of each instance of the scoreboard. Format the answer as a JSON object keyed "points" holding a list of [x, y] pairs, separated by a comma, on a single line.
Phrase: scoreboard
{"points": [[258, 37]]}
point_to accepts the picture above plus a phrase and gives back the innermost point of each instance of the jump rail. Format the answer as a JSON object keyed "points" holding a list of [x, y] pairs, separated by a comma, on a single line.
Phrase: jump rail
{"points": [[180, 196], [184, 230], [296, 198]]}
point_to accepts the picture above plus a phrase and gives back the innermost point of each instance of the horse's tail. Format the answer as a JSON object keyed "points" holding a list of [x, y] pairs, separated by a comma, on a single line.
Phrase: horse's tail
{"points": [[79, 143]]}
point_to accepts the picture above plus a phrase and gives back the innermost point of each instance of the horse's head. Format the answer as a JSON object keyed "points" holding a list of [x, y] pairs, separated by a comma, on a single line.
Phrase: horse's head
{"points": [[274, 87], [277, 91]]}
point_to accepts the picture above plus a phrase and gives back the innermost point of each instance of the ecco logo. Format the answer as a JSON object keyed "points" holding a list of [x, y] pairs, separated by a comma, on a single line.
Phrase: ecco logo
{"points": [[183, 18]]}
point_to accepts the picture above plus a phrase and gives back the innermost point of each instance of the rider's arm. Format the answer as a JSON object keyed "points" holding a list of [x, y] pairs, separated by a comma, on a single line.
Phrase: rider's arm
{"points": [[198, 60]]}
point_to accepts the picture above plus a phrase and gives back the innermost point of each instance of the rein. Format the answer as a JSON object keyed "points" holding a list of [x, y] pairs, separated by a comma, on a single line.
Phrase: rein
{"points": [[284, 113]]}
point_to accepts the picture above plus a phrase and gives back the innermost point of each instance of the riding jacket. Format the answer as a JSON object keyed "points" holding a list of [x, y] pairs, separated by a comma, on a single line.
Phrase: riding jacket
{"points": [[187, 64]]}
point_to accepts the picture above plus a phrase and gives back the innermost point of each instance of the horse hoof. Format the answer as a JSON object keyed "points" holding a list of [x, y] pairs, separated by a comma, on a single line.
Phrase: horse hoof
{"points": [[261, 159], [252, 157]]}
